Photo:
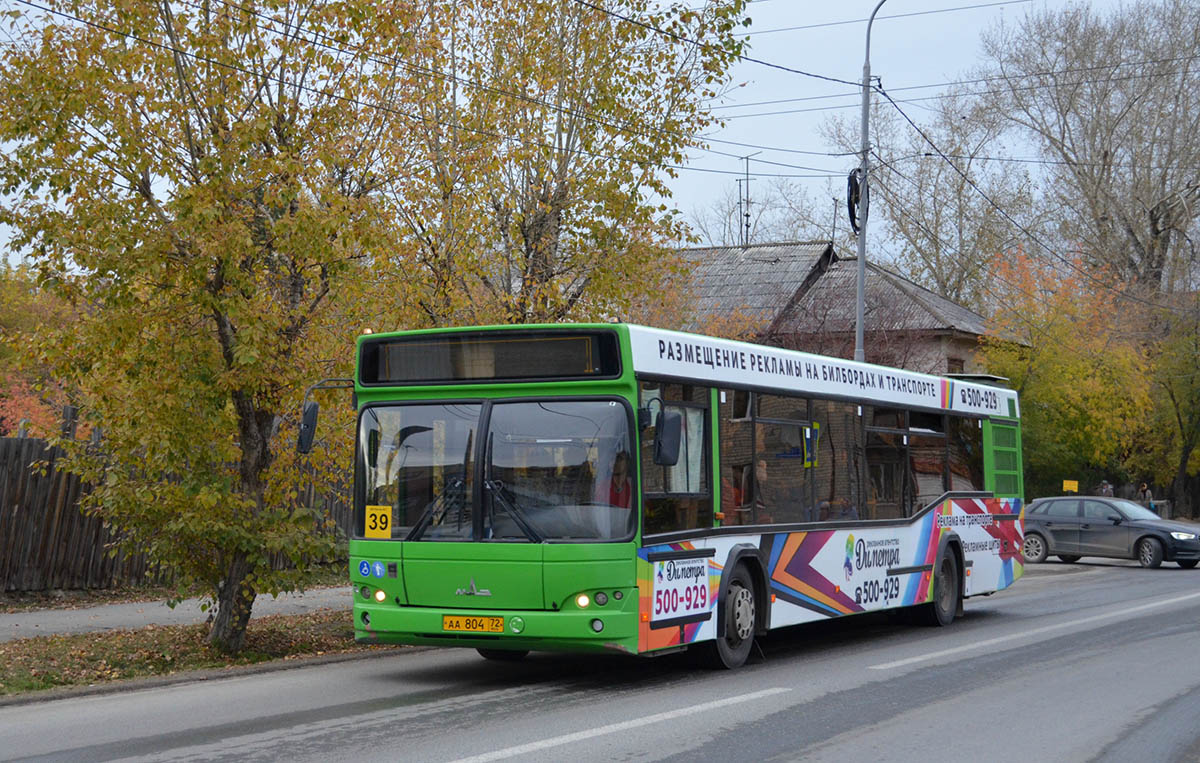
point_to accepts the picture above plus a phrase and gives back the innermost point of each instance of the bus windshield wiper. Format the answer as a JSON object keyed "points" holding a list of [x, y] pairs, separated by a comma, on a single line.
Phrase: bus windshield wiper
{"points": [[497, 489], [453, 486]]}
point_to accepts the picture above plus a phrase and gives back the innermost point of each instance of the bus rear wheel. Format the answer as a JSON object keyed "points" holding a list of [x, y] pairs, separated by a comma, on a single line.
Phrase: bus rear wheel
{"points": [[740, 610], [947, 594], [502, 655]]}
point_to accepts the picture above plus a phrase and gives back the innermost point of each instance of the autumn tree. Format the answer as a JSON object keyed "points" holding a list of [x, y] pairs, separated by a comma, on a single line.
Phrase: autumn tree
{"points": [[28, 393], [1061, 340], [196, 178], [1112, 101], [1170, 446], [544, 131]]}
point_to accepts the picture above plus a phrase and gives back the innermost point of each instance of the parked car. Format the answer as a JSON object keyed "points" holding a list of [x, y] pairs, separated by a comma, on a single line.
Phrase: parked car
{"points": [[1071, 527]]}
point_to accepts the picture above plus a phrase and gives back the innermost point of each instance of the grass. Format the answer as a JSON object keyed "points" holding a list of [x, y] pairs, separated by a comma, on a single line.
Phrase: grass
{"points": [[47, 662], [87, 659]]}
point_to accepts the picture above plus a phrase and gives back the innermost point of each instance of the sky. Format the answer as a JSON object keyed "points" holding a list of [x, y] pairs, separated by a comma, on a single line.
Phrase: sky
{"points": [[938, 45]]}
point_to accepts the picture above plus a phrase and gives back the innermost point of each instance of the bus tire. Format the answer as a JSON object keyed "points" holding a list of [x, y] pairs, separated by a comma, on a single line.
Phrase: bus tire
{"points": [[947, 593], [741, 611], [502, 655]]}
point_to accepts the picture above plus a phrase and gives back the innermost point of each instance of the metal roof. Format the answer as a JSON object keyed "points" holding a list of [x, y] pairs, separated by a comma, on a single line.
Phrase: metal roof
{"points": [[892, 303], [757, 282]]}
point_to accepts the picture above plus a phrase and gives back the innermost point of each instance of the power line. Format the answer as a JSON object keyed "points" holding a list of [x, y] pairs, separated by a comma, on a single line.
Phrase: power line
{"points": [[1051, 162], [943, 96], [893, 16], [1004, 213], [976, 81], [677, 38], [982, 285]]}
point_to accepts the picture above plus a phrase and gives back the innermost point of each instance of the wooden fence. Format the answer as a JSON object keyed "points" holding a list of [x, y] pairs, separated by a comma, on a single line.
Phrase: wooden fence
{"points": [[47, 543]]}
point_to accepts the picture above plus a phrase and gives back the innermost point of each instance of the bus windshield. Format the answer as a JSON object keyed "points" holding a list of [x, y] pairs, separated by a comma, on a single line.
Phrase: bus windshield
{"points": [[551, 470]]}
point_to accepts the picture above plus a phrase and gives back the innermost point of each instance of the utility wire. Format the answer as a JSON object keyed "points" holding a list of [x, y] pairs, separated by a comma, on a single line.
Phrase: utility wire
{"points": [[983, 285], [1004, 213], [677, 38], [892, 16], [976, 81], [943, 96], [1049, 162]]}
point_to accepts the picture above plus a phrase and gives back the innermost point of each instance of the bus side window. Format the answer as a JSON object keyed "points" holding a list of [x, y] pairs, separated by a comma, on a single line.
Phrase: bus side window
{"points": [[678, 497], [736, 437]]}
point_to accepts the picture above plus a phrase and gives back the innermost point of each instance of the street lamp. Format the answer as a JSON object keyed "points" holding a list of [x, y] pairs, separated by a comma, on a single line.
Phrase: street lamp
{"points": [[864, 196]]}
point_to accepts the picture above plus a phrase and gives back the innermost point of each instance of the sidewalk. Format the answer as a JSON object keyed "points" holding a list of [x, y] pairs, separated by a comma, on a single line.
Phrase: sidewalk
{"points": [[44, 622]]}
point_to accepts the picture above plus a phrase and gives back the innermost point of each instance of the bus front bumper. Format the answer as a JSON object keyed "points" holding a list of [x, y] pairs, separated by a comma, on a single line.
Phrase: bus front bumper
{"points": [[598, 629]]}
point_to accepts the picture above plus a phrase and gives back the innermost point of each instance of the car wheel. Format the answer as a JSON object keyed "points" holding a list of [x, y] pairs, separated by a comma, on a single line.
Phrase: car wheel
{"points": [[947, 594], [1068, 558], [503, 655], [1189, 564], [739, 607], [1034, 548], [1150, 552]]}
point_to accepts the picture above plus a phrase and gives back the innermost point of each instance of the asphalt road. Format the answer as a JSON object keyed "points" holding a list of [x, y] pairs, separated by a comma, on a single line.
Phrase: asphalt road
{"points": [[1075, 663]]}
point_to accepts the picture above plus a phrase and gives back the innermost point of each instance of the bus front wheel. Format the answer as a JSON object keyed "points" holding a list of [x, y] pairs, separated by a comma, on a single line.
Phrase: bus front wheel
{"points": [[740, 610]]}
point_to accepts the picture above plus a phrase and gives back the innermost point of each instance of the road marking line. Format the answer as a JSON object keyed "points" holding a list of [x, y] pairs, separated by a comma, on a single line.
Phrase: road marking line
{"points": [[612, 728], [1034, 632]]}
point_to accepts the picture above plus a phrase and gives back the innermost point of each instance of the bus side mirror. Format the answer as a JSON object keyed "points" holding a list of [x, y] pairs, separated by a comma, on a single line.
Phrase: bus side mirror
{"points": [[668, 431], [308, 427]]}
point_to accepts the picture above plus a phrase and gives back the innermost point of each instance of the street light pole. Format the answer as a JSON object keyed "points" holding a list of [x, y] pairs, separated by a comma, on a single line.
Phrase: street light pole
{"points": [[864, 203]]}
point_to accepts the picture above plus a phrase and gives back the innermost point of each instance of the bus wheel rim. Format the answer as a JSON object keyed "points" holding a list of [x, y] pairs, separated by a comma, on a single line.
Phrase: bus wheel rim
{"points": [[743, 614]]}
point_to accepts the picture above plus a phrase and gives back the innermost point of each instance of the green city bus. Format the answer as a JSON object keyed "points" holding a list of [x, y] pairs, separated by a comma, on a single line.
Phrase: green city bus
{"points": [[618, 488]]}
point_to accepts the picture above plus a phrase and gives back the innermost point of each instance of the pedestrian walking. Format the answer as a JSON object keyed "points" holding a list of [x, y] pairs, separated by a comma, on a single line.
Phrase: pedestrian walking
{"points": [[1146, 498]]}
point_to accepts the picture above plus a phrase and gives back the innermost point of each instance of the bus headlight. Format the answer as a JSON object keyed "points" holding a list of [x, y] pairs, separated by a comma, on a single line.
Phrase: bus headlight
{"points": [[380, 595], [582, 601], [601, 598]]}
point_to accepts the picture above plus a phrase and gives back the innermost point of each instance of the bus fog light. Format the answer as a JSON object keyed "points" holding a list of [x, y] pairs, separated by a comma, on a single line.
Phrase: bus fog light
{"points": [[380, 595], [366, 619], [601, 598], [597, 625], [582, 601]]}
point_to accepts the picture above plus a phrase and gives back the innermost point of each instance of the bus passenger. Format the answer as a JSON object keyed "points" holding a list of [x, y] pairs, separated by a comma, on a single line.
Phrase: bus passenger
{"points": [[620, 491]]}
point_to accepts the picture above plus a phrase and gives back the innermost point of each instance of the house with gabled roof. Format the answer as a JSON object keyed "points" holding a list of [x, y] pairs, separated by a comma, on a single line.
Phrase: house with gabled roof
{"points": [[802, 295]]}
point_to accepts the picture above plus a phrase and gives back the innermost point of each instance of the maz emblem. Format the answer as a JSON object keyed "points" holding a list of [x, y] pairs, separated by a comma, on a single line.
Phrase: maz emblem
{"points": [[471, 590]]}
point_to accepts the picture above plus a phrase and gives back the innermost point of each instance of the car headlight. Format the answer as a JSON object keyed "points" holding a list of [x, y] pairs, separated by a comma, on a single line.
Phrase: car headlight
{"points": [[1183, 536]]}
